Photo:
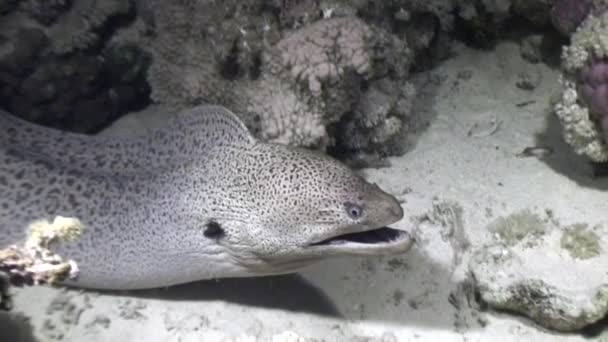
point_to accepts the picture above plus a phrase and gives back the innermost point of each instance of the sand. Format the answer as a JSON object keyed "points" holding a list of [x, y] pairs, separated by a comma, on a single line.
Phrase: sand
{"points": [[462, 173]]}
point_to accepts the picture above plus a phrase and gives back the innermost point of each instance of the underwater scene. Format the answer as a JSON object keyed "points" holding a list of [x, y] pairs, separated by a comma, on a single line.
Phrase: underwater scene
{"points": [[303, 171]]}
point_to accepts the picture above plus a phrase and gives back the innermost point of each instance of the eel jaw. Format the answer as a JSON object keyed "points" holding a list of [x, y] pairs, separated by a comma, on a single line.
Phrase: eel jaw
{"points": [[383, 240]]}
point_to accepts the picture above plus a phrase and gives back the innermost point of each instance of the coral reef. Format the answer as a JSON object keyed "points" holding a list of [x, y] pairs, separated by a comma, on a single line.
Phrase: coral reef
{"points": [[322, 64], [292, 80], [581, 242], [517, 227], [305, 73], [521, 277], [296, 71]]}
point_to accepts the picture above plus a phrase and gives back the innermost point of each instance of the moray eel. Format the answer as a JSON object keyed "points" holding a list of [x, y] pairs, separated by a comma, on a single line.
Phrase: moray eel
{"points": [[198, 199]]}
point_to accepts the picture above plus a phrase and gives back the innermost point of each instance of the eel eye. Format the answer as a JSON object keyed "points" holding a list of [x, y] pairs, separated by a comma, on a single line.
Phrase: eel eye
{"points": [[354, 211]]}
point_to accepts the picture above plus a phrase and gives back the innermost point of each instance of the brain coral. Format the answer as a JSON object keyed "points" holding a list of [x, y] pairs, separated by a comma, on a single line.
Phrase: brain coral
{"points": [[321, 52]]}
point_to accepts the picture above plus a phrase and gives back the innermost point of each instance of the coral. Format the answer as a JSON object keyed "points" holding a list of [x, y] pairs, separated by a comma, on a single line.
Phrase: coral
{"points": [[328, 59], [536, 12], [78, 28], [442, 9], [582, 104], [33, 263], [197, 56], [586, 43], [593, 88], [275, 112], [44, 11], [581, 242], [517, 227], [288, 99], [290, 79], [321, 52], [500, 8], [482, 22], [379, 117], [340, 8], [61, 70], [579, 129], [331, 58], [566, 15]]}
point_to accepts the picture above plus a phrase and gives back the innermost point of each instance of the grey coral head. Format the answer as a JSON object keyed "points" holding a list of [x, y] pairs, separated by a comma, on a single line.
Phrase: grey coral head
{"points": [[307, 206]]}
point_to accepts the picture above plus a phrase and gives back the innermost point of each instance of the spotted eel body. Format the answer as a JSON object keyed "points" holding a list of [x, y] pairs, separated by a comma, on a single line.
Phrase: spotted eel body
{"points": [[198, 199]]}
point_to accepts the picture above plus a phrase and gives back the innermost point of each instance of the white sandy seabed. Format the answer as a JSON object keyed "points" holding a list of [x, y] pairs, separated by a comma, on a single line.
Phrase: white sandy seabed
{"points": [[463, 173]]}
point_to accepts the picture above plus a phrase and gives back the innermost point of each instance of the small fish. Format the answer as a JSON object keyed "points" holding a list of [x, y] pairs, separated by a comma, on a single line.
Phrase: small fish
{"points": [[535, 151]]}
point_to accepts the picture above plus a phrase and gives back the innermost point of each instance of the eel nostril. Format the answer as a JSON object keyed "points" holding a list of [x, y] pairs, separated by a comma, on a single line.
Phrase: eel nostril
{"points": [[396, 210]]}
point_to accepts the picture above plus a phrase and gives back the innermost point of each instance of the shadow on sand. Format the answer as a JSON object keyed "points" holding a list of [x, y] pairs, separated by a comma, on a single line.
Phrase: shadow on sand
{"points": [[15, 328], [285, 292], [293, 293], [565, 161]]}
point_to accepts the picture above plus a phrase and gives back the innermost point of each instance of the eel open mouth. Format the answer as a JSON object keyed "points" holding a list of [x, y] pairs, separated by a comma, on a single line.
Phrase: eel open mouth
{"points": [[384, 235]]}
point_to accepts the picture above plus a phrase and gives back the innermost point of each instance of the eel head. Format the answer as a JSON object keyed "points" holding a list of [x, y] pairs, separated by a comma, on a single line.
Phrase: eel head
{"points": [[308, 206]]}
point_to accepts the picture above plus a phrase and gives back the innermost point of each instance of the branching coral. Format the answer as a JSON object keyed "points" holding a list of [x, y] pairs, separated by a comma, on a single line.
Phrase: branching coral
{"points": [[579, 129]]}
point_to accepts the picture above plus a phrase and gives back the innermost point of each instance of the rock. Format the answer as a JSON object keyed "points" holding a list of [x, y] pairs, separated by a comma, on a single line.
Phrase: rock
{"points": [[557, 277], [125, 63], [530, 48], [26, 47], [535, 11], [44, 11], [529, 79], [7, 5]]}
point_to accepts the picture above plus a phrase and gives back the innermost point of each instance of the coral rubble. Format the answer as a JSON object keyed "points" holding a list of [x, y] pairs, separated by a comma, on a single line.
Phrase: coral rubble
{"points": [[32, 263]]}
